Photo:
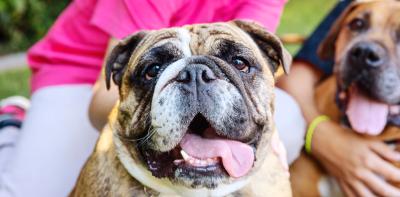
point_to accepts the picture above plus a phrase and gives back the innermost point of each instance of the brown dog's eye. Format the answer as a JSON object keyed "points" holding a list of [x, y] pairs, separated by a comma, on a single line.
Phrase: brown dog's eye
{"points": [[241, 64], [152, 71], [357, 24]]}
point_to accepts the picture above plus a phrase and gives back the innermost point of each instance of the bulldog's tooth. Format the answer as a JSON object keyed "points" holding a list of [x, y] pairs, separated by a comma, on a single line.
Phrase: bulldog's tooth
{"points": [[394, 110], [178, 161], [342, 95], [203, 162], [198, 162], [191, 161], [185, 155], [211, 161]]}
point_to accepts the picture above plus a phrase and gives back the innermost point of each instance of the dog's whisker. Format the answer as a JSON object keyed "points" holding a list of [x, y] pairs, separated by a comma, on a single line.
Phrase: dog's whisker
{"points": [[145, 138], [128, 138], [132, 139], [150, 133]]}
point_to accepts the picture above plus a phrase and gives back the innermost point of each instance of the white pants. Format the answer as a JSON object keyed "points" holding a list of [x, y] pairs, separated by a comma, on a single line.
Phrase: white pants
{"points": [[56, 139], [53, 144], [290, 124]]}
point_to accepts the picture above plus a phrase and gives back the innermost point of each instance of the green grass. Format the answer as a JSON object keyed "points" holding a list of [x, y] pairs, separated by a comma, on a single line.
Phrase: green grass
{"points": [[14, 82], [300, 16]]}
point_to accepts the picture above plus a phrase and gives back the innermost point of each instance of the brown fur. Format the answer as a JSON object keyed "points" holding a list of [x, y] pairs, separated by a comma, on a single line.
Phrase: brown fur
{"points": [[305, 171], [103, 168]]}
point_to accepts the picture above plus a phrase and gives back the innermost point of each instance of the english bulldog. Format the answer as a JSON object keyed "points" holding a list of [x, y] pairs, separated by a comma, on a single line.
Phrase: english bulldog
{"points": [[195, 115], [364, 92]]}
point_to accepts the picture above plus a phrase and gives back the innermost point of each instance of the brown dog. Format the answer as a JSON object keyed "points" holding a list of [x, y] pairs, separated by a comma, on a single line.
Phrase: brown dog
{"points": [[364, 93], [195, 115]]}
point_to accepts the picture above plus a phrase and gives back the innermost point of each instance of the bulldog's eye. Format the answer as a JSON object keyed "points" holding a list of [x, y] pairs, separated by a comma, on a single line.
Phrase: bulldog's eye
{"points": [[357, 24], [152, 71], [241, 64]]}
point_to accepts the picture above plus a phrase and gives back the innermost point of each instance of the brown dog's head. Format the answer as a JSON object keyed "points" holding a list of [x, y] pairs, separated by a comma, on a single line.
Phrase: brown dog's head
{"points": [[365, 44], [196, 102]]}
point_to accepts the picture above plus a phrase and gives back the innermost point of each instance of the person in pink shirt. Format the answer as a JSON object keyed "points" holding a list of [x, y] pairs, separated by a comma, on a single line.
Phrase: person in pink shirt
{"points": [[57, 136]]}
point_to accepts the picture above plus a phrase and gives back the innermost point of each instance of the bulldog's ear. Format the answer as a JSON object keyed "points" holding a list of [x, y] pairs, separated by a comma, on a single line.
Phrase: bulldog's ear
{"points": [[119, 57], [326, 49], [268, 43]]}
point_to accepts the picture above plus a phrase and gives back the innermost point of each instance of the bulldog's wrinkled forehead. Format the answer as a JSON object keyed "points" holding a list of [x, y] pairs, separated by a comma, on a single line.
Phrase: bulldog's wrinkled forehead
{"points": [[206, 34], [179, 37], [196, 39]]}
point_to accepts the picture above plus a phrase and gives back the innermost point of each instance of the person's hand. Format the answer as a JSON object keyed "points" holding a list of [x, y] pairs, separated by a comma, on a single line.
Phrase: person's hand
{"points": [[360, 165], [279, 149]]}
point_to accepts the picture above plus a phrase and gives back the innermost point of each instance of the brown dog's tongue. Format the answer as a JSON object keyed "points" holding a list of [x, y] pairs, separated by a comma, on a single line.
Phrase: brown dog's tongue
{"points": [[237, 157], [365, 115]]}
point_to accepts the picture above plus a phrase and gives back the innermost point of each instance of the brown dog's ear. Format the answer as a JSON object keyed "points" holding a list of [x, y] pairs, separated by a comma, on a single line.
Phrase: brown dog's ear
{"points": [[268, 43], [119, 57], [326, 49]]}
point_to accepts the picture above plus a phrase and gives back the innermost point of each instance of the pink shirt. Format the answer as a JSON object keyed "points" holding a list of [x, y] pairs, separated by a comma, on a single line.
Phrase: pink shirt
{"points": [[72, 52]]}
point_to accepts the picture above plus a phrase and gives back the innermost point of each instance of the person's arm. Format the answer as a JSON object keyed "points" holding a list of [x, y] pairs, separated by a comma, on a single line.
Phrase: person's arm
{"points": [[103, 100], [302, 73], [356, 162]]}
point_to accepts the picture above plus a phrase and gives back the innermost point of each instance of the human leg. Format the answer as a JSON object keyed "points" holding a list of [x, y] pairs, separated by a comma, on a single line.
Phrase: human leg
{"points": [[56, 139], [290, 124]]}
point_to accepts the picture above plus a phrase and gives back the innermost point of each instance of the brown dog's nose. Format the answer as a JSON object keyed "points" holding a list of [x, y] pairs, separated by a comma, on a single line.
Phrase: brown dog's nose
{"points": [[367, 54], [197, 74]]}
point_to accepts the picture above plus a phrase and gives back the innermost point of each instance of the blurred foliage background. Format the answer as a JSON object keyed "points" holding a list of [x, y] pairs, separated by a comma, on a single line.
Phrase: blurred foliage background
{"points": [[23, 22], [14, 82]]}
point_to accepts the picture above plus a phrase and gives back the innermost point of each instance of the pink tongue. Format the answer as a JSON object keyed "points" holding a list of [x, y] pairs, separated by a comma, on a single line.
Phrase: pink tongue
{"points": [[237, 157], [365, 115]]}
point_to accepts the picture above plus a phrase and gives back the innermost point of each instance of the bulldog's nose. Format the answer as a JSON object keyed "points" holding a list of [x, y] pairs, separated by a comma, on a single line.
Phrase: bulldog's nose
{"points": [[196, 73], [369, 54]]}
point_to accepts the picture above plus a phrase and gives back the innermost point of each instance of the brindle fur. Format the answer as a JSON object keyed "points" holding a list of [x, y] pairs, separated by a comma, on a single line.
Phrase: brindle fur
{"points": [[105, 175]]}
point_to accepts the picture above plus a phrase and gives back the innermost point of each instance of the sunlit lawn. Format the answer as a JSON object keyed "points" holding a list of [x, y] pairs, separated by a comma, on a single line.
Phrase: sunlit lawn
{"points": [[14, 82], [300, 16]]}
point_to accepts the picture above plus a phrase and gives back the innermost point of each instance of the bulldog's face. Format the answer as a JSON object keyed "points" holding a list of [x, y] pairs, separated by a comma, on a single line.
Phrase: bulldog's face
{"points": [[365, 44], [196, 102]]}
